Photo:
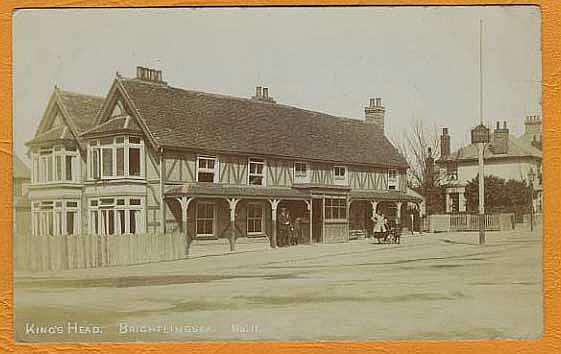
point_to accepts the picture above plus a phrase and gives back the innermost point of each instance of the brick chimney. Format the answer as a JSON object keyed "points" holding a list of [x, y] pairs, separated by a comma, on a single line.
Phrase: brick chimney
{"points": [[147, 74], [262, 94], [375, 113], [533, 127], [444, 144], [500, 139]]}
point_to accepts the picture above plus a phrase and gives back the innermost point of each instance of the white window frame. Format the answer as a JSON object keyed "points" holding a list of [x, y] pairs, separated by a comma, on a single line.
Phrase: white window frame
{"points": [[393, 181], [213, 219], [339, 200], [55, 210], [263, 174], [215, 170], [262, 219], [127, 145], [41, 158], [96, 207], [300, 177], [338, 179]]}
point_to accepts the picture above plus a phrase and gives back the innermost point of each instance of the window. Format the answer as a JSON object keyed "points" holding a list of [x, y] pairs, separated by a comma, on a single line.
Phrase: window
{"points": [[254, 218], [206, 169], [115, 157], [205, 219], [340, 172], [256, 172], [392, 179], [55, 164], [300, 169], [116, 216], [335, 209], [55, 218]]}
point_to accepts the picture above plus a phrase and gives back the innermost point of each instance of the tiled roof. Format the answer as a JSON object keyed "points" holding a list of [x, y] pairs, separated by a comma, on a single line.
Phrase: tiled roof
{"points": [[196, 120], [115, 124], [20, 168], [55, 134], [516, 148], [82, 108]]}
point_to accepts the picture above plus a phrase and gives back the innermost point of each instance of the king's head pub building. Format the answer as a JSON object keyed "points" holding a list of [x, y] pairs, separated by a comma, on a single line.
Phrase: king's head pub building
{"points": [[152, 158]]}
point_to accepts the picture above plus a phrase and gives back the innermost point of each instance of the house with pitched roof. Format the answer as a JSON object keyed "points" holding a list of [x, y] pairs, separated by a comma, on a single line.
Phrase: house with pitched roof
{"points": [[153, 158], [505, 156]]}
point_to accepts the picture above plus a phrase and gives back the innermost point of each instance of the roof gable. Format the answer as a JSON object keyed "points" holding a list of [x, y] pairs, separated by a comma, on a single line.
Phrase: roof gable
{"points": [[186, 119]]}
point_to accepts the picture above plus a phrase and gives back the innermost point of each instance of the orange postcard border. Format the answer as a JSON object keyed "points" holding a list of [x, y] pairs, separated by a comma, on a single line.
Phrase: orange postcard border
{"points": [[551, 341]]}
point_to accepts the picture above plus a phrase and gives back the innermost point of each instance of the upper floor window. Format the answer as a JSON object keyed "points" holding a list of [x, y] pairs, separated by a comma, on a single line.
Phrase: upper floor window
{"points": [[257, 172], [392, 179], [207, 169], [340, 172], [300, 172], [116, 157], [55, 164]]}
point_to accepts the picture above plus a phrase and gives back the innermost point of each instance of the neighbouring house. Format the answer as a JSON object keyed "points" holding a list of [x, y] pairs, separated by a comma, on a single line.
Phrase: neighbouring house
{"points": [[22, 206], [152, 158], [505, 156]]}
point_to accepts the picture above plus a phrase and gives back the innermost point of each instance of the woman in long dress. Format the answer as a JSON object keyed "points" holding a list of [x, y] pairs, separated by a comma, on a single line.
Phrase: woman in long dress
{"points": [[379, 227]]}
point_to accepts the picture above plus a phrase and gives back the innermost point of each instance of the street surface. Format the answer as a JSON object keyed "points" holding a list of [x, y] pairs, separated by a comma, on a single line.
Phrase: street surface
{"points": [[430, 287]]}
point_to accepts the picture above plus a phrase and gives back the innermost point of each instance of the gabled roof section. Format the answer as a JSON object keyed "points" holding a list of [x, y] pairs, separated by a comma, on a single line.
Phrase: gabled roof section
{"points": [[61, 133], [20, 168], [516, 148], [119, 124], [74, 112], [185, 119]]}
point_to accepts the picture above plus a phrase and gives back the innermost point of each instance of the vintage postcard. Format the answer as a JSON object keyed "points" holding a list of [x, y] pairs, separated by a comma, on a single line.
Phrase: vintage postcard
{"points": [[297, 174]]}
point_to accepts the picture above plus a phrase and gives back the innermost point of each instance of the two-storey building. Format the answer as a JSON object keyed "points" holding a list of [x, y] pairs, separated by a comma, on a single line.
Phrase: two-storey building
{"points": [[153, 158]]}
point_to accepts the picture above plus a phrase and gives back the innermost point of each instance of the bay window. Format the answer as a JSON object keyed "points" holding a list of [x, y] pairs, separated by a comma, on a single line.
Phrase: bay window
{"points": [[55, 164], [55, 217], [115, 157], [115, 216]]}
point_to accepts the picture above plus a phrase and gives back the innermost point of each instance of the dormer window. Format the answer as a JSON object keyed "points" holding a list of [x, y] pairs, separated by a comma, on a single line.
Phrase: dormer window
{"points": [[257, 172], [207, 169], [392, 179], [301, 172], [340, 172]]}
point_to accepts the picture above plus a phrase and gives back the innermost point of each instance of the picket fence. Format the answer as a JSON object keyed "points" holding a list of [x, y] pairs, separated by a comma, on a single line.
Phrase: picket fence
{"points": [[52, 253], [467, 222]]}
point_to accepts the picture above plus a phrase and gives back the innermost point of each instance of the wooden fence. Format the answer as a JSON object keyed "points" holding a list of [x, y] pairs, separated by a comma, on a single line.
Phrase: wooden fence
{"points": [[467, 222], [51, 253]]}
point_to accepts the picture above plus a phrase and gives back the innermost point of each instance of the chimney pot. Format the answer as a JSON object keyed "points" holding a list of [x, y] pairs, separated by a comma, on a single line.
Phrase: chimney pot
{"points": [[258, 91], [265, 92], [445, 131], [498, 125], [504, 124], [378, 102], [372, 102]]}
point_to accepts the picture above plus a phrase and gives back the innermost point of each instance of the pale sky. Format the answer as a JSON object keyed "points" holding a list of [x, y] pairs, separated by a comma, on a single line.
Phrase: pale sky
{"points": [[422, 61]]}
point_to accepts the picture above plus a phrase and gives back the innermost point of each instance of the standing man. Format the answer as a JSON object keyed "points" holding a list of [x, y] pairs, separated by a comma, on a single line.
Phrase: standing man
{"points": [[284, 227]]}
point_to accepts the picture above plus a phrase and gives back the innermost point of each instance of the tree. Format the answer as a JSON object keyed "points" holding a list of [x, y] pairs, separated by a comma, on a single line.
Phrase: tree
{"points": [[501, 196], [420, 147]]}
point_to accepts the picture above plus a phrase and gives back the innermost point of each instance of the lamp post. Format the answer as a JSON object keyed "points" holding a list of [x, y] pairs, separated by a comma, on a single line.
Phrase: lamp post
{"points": [[531, 176]]}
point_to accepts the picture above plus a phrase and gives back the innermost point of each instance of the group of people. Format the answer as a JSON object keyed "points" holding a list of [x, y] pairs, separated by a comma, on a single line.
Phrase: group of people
{"points": [[288, 232], [380, 223]]}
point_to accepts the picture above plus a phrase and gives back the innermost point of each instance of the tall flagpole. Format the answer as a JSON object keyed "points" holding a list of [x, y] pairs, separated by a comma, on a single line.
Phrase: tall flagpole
{"points": [[481, 145]]}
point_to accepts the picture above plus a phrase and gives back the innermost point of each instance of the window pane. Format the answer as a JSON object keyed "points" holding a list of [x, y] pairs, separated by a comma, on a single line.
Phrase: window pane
{"points": [[132, 221], [134, 202], [107, 162], [70, 222], [49, 169], [121, 214], [69, 160], [134, 140], [111, 222], [206, 177], [58, 175], [95, 163], [120, 161], [134, 161]]}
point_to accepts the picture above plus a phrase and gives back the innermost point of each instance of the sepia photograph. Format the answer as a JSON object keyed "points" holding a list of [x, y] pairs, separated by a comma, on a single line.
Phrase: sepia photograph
{"points": [[279, 174]]}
